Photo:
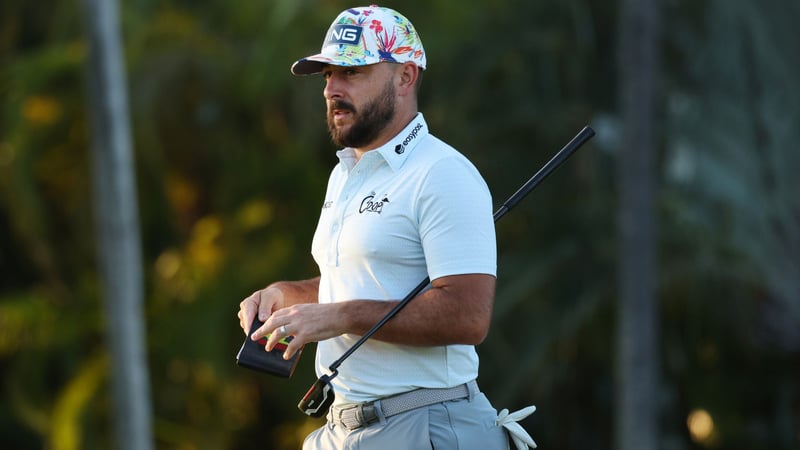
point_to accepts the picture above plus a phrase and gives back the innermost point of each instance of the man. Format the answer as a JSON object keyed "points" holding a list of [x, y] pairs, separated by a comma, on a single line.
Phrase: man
{"points": [[400, 206]]}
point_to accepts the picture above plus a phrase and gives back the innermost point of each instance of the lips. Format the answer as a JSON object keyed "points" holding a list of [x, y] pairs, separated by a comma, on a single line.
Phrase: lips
{"points": [[340, 110], [339, 114]]}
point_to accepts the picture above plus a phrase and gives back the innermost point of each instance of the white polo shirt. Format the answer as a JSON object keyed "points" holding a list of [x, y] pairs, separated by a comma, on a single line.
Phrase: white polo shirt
{"points": [[412, 208]]}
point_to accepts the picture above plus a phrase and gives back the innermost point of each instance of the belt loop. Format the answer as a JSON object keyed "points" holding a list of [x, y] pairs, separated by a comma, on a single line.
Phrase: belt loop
{"points": [[331, 417], [472, 388], [379, 412]]}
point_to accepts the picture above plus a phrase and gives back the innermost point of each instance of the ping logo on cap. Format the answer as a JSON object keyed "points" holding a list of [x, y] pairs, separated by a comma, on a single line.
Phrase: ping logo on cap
{"points": [[344, 34]]}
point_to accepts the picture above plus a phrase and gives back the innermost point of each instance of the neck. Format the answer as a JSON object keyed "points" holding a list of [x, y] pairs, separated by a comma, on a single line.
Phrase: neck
{"points": [[396, 126]]}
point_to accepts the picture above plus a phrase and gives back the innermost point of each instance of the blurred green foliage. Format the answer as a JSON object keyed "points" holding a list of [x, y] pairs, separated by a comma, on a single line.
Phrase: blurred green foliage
{"points": [[232, 158]]}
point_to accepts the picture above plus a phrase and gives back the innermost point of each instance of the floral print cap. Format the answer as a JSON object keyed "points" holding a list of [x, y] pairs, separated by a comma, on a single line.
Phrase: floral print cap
{"points": [[363, 36]]}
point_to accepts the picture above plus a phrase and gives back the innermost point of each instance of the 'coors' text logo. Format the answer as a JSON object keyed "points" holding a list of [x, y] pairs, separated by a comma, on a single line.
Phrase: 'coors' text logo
{"points": [[370, 205]]}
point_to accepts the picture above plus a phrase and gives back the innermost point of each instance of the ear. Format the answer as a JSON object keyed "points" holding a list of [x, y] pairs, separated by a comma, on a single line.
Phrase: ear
{"points": [[407, 76]]}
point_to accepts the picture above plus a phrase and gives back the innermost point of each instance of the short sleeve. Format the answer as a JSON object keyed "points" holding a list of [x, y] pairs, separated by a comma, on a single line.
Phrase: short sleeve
{"points": [[455, 220]]}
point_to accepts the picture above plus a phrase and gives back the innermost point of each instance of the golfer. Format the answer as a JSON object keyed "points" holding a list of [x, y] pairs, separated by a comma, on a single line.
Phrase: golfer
{"points": [[401, 205]]}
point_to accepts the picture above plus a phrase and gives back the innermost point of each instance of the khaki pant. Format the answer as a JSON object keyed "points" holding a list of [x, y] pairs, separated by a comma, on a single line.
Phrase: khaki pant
{"points": [[467, 424]]}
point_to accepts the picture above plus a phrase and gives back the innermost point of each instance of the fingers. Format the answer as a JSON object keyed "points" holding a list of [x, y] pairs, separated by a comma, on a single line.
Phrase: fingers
{"points": [[275, 333], [292, 348], [297, 321], [247, 312], [262, 303], [269, 300], [280, 333], [305, 322], [275, 328]]}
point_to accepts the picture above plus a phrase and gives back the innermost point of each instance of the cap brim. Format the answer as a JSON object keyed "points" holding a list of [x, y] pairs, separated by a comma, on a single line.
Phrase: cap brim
{"points": [[314, 64], [308, 66]]}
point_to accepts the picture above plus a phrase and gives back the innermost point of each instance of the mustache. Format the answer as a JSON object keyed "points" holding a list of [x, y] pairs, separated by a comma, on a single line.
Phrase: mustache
{"points": [[341, 105]]}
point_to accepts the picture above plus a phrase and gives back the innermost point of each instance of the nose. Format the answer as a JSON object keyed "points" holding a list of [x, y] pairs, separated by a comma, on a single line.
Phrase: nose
{"points": [[332, 88]]}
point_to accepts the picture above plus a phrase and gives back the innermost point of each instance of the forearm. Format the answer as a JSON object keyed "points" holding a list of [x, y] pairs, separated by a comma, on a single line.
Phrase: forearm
{"points": [[296, 292], [455, 310]]}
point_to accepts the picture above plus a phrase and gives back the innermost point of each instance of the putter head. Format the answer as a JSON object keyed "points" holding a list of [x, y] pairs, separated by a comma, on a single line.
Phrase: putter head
{"points": [[319, 398]]}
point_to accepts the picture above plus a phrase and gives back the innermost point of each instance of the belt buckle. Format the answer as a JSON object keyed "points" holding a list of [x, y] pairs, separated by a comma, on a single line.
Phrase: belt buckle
{"points": [[357, 416], [350, 418]]}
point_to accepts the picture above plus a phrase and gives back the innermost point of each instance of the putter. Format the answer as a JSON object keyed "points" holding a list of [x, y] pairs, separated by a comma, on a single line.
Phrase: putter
{"points": [[320, 396]]}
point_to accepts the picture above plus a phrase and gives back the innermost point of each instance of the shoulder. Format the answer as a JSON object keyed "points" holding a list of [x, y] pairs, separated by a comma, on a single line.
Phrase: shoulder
{"points": [[434, 153]]}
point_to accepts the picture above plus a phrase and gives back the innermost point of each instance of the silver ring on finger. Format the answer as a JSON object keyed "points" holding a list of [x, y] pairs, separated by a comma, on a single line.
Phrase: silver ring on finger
{"points": [[283, 331]]}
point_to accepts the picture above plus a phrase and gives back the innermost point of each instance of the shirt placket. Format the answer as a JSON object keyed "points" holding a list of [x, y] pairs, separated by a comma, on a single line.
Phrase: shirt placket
{"points": [[352, 185]]}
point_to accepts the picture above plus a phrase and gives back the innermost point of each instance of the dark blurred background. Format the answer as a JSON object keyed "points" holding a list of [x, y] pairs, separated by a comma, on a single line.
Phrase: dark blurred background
{"points": [[231, 161]]}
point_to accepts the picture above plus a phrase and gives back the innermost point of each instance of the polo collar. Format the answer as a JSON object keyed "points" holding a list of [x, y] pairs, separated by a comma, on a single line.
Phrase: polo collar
{"points": [[396, 151]]}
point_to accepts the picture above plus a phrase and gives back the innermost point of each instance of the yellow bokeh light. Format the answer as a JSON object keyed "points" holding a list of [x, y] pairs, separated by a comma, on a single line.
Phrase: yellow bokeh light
{"points": [[41, 110], [701, 426], [168, 264], [255, 214], [181, 192], [204, 250]]}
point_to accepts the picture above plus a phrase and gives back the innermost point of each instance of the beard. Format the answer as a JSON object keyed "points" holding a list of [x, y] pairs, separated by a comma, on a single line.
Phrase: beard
{"points": [[367, 124]]}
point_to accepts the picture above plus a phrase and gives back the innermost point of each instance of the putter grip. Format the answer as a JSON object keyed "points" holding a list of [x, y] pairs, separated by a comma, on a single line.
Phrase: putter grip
{"points": [[253, 356]]}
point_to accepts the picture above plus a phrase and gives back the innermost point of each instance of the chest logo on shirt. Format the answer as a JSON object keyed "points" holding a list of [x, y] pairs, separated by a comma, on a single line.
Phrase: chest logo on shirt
{"points": [[370, 205]]}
